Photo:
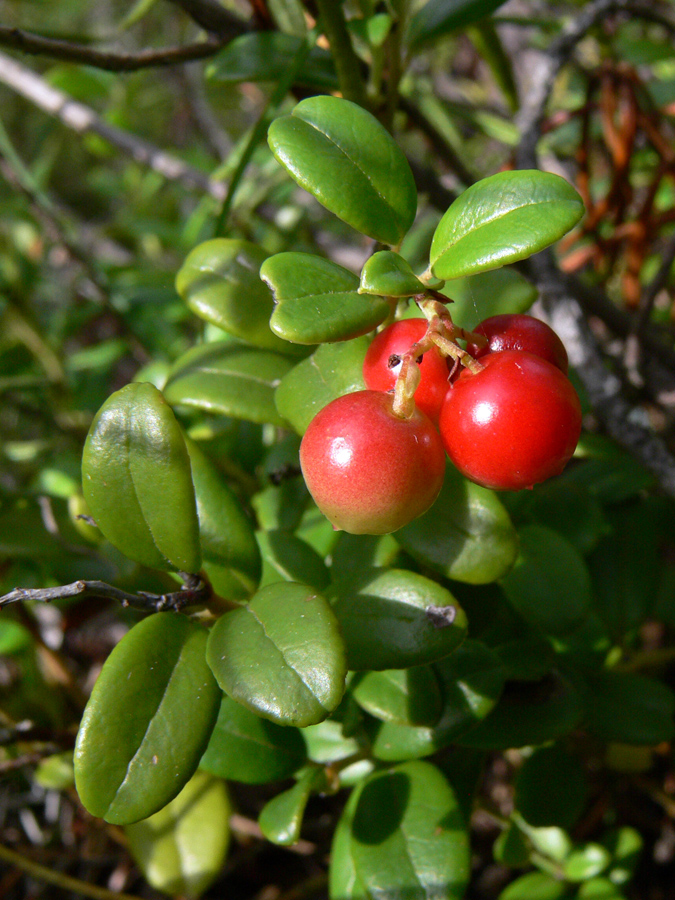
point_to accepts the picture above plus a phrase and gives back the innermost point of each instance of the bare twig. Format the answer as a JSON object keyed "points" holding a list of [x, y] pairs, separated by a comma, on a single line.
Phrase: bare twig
{"points": [[622, 421], [69, 51], [195, 591], [83, 119]]}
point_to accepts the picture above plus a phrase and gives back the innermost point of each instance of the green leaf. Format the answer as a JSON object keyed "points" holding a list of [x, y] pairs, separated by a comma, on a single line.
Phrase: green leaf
{"points": [[406, 696], [471, 681], [586, 862], [627, 708], [487, 294], [14, 637], [182, 848], [599, 889], [549, 584], [281, 656], [501, 219], [466, 535], [343, 881], [137, 482], [288, 558], [148, 720], [528, 713], [281, 817], [409, 839], [552, 842], [225, 531], [393, 619], [511, 849], [551, 788], [438, 18], [483, 35], [266, 56], [350, 163], [220, 282], [388, 274], [317, 300], [327, 743], [625, 845], [56, 772], [535, 886], [331, 371], [244, 747], [228, 379], [354, 552]]}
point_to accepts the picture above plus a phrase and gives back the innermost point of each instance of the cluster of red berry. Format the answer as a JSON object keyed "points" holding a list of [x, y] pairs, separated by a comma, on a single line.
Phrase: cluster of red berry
{"points": [[508, 418]]}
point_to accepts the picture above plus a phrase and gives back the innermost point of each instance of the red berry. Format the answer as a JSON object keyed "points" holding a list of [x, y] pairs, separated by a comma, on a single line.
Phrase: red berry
{"points": [[370, 471], [513, 424], [519, 332], [383, 363]]}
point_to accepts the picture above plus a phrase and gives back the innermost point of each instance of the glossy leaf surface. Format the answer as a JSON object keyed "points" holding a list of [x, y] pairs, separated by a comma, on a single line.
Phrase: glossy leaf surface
{"points": [[390, 275], [182, 848], [409, 839], [549, 584], [535, 886], [406, 696], [350, 163], [244, 747], [220, 282], [343, 880], [148, 720], [137, 481], [467, 534], [225, 531], [393, 619], [331, 371], [501, 219], [281, 656], [266, 56], [281, 817], [228, 379], [440, 17], [317, 300]]}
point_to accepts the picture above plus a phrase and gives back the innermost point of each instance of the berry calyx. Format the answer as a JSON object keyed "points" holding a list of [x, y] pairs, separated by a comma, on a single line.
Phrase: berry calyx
{"points": [[369, 470], [383, 360], [513, 424], [520, 332]]}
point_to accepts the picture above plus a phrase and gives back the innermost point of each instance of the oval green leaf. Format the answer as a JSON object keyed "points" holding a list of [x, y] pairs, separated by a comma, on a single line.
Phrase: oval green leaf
{"points": [[549, 584], [527, 714], [409, 838], [331, 371], [317, 300], [438, 18], [148, 720], [220, 282], [467, 534], [535, 886], [281, 818], [228, 379], [182, 848], [287, 557], [393, 619], [348, 161], [406, 696], [281, 656], [266, 56], [501, 219], [244, 747], [388, 274], [225, 531], [137, 482]]}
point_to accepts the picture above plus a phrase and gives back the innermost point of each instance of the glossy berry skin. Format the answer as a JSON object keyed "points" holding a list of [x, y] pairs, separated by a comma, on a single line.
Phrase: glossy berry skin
{"points": [[513, 424], [520, 332], [370, 471], [393, 341]]}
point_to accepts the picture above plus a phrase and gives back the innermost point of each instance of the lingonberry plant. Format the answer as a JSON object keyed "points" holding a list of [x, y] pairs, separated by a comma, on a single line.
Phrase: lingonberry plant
{"points": [[385, 636]]}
